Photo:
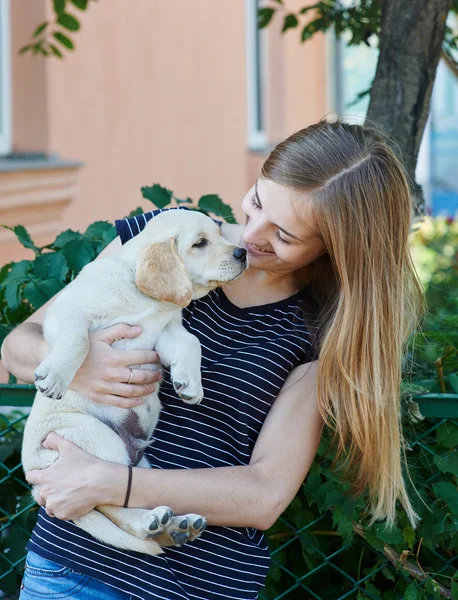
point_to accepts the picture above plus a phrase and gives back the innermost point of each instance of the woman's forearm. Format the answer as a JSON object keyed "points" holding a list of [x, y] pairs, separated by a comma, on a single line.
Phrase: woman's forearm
{"points": [[232, 496], [23, 350]]}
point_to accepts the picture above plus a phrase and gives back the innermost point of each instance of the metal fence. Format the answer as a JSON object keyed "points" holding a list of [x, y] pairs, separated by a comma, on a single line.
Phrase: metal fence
{"points": [[319, 565]]}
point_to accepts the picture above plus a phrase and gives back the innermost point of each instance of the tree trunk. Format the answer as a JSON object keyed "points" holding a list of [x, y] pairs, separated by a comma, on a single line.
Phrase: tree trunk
{"points": [[410, 47]]}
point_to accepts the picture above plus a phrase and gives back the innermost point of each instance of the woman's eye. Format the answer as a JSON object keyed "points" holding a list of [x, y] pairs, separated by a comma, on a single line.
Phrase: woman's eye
{"points": [[280, 239], [200, 244], [254, 203]]}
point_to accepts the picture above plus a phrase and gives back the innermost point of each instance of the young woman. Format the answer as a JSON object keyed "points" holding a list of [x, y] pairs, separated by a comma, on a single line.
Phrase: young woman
{"points": [[312, 333]]}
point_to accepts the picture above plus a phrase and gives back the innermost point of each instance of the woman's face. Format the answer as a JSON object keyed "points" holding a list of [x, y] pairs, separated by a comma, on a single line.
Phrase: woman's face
{"points": [[280, 232]]}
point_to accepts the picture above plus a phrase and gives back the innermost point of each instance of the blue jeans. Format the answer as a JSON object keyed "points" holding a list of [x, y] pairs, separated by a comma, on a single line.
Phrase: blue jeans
{"points": [[46, 579]]}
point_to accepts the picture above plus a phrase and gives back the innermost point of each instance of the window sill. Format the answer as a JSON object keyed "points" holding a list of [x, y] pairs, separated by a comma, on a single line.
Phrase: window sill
{"points": [[35, 190]]}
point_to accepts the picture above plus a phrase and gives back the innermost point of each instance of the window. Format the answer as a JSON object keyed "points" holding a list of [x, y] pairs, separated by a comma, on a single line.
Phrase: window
{"points": [[5, 78], [255, 61]]}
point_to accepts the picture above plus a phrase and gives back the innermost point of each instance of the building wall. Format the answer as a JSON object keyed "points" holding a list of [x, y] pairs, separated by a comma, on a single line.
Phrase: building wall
{"points": [[155, 92]]}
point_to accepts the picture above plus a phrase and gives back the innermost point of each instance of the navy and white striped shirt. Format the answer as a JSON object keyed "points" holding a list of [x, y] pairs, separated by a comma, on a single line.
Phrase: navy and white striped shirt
{"points": [[247, 353]]}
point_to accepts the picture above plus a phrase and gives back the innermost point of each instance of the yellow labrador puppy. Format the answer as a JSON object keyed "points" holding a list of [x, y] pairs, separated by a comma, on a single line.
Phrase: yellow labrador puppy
{"points": [[179, 256]]}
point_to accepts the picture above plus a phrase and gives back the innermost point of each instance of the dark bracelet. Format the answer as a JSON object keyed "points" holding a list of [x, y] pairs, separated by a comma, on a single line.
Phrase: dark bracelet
{"points": [[129, 485]]}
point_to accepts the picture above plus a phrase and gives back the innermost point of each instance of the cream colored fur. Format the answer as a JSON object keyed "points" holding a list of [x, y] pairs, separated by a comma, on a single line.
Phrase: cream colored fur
{"points": [[154, 275]]}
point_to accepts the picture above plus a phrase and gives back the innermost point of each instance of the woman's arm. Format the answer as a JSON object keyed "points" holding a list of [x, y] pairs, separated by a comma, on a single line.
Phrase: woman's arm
{"points": [[102, 373], [241, 496]]}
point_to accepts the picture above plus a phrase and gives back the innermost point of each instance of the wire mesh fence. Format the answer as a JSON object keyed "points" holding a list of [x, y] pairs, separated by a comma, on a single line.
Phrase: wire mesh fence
{"points": [[319, 548]]}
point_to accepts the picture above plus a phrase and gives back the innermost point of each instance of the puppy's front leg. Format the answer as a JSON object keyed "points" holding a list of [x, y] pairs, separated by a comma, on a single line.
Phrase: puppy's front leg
{"points": [[181, 350], [65, 329]]}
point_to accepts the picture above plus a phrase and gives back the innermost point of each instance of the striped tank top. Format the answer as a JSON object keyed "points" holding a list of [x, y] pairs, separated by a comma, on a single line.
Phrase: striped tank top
{"points": [[247, 353]]}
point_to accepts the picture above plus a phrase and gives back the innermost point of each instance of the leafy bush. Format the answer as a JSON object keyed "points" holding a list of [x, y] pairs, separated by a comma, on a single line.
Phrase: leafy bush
{"points": [[321, 546], [323, 537]]}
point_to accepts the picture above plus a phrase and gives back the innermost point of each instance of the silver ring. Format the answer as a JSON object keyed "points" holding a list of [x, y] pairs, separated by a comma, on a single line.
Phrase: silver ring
{"points": [[130, 376]]}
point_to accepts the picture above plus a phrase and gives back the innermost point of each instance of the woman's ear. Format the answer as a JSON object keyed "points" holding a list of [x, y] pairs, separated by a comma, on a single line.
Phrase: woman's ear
{"points": [[161, 274]]}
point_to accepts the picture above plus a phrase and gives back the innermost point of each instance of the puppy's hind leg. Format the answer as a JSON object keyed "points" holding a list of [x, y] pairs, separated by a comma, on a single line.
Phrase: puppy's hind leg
{"points": [[65, 328]]}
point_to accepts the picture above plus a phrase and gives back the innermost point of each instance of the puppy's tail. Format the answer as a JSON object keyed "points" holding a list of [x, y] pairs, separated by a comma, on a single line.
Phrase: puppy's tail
{"points": [[107, 532]]}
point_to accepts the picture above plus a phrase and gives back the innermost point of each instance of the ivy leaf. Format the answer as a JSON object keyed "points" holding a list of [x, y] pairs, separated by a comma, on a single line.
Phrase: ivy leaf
{"points": [[23, 236], [158, 195], [392, 535], [213, 204], [412, 592], [447, 435], [78, 254], [51, 265], [64, 40], [81, 4], [59, 6], [447, 463], [290, 22], [38, 292], [447, 492], [40, 29], [264, 16], [432, 588], [98, 229], [453, 379], [63, 238], [68, 21]]}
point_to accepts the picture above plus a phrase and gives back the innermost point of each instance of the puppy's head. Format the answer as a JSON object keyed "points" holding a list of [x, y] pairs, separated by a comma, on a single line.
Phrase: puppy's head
{"points": [[183, 256]]}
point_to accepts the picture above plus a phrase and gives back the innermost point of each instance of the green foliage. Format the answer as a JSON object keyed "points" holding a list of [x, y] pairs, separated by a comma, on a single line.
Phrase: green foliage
{"points": [[360, 20], [325, 525], [42, 42]]}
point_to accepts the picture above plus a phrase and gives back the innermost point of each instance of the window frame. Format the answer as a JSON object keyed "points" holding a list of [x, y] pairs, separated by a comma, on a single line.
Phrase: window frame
{"points": [[5, 79], [257, 137]]}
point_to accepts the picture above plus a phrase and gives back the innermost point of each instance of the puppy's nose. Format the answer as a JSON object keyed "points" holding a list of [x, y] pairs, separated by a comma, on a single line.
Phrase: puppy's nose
{"points": [[240, 253]]}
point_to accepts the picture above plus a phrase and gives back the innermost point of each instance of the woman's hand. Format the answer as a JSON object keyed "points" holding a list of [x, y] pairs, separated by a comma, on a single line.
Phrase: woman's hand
{"points": [[103, 375], [70, 487]]}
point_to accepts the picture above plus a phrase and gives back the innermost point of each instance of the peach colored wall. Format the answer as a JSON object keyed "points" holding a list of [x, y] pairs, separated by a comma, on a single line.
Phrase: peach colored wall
{"points": [[156, 92]]}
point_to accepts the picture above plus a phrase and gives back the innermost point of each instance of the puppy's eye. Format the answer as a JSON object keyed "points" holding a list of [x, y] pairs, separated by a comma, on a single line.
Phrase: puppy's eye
{"points": [[200, 244]]}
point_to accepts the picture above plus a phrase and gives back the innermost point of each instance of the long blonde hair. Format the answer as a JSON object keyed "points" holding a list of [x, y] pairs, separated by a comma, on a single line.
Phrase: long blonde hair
{"points": [[369, 295]]}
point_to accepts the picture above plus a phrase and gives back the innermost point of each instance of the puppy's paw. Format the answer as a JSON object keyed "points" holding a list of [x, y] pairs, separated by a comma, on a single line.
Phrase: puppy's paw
{"points": [[148, 524], [51, 379], [188, 388], [181, 529]]}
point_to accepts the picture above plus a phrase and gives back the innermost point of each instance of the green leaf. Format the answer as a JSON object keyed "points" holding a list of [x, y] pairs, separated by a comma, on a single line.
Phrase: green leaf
{"points": [[185, 201], [25, 49], [38, 292], [264, 16], [447, 492], [51, 265], [78, 254], [23, 236], [447, 435], [213, 204], [64, 40], [96, 230], [388, 535], [55, 50], [290, 22], [81, 4], [68, 21], [408, 533], [447, 463], [40, 29], [454, 586], [432, 588], [59, 6], [63, 238], [412, 592], [158, 195], [453, 379]]}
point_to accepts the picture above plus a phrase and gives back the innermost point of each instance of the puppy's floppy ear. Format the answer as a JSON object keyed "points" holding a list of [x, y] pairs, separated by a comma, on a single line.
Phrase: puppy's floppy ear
{"points": [[161, 274]]}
